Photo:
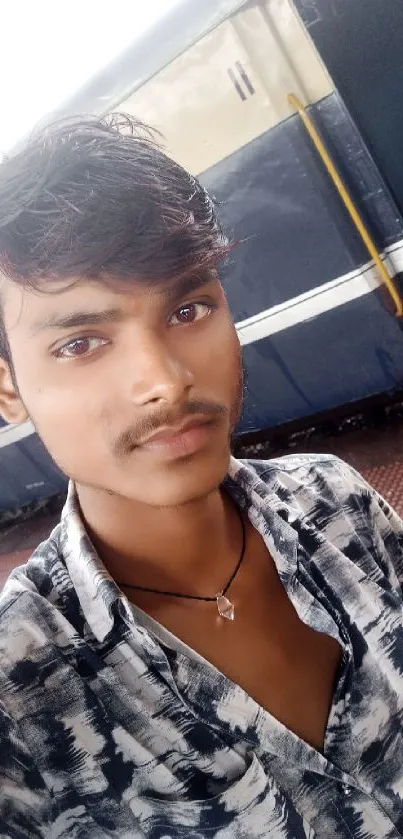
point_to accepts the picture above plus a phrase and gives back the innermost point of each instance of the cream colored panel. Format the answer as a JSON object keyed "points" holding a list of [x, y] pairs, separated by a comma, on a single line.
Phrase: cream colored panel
{"points": [[283, 54], [195, 104], [232, 85], [308, 68]]}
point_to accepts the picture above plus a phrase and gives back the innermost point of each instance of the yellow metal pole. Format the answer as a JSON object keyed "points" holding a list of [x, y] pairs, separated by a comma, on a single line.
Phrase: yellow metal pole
{"points": [[346, 198]]}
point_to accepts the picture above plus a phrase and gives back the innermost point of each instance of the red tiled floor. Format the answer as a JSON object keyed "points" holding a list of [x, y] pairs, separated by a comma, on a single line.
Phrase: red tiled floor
{"points": [[376, 453], [388, 480]]}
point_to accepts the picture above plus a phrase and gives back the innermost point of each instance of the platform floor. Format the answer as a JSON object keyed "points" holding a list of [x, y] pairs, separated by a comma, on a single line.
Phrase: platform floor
{"points": [[376, 453]]}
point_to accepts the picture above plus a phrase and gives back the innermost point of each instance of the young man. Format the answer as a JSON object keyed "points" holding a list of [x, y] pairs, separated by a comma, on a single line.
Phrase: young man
{"points": [[202, 647]]}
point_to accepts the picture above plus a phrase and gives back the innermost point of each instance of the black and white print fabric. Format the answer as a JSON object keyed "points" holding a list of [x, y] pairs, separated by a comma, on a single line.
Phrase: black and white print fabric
{"points": [[104, 732]]}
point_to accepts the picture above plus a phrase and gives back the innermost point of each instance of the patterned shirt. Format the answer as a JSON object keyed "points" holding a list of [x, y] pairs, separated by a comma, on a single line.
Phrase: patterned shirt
{"points": [[107, 732]]}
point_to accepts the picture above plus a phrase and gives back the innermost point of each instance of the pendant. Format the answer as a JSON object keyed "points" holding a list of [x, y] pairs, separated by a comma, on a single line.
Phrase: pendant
{"points": [[225, 607]]}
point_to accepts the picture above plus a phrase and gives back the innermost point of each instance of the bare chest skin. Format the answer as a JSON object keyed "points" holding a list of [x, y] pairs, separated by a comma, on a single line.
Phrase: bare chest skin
{"points": [[287, 667]]}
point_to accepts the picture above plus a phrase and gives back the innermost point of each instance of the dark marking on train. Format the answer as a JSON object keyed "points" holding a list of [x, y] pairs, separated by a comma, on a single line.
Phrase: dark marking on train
{"points": [[245, 78], [236, 84]]}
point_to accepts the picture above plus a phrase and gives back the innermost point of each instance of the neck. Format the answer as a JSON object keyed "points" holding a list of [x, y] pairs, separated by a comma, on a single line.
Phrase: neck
{"points": [[190, 548]]}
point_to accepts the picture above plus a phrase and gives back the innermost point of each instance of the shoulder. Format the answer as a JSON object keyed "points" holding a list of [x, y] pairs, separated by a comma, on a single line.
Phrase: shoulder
{"points": [[25, 633], [307, 490], [36, 576], [298, 463], [323, 495], [321, 489], [36, 600], [317, 474], [325, 477]]}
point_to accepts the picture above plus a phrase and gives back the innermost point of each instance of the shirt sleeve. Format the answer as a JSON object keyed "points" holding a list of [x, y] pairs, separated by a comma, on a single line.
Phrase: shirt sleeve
{"points": [[24, 798], [382, 528]]}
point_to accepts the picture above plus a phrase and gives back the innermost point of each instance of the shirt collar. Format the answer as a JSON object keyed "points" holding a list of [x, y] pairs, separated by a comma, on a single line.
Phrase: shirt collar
{"points": [[98, 592], [94, 586]]}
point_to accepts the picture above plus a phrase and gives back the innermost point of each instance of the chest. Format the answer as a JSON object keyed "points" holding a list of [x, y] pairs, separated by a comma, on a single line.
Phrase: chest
{"points": [[285, 666]]}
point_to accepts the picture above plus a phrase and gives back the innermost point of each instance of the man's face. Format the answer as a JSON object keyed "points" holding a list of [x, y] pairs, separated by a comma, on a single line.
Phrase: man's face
{"points": [[134, 391]]}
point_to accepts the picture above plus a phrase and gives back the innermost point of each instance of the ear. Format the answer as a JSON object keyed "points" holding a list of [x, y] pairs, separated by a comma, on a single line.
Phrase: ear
{"points": [[12, 408]]}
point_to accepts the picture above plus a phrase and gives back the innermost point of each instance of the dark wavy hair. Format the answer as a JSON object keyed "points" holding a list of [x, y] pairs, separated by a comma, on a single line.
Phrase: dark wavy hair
{"points": [[92, 198]]}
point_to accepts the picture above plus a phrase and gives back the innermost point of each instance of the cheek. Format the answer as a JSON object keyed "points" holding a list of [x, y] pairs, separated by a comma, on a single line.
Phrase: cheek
{"points": [[70, 428], [60, 408], [218, 362], [227, 351]]}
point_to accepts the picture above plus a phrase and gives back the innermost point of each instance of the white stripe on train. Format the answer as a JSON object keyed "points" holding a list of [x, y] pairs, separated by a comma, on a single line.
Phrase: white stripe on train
{"points": [[321, 299]]}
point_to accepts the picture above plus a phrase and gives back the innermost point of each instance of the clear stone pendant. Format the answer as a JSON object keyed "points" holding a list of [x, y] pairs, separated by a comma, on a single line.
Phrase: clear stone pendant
{"points": [[225, 607]]}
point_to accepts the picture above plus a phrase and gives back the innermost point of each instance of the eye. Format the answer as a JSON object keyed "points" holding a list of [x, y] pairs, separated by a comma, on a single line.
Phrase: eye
{"points": [[190, 312], [79, 347]]}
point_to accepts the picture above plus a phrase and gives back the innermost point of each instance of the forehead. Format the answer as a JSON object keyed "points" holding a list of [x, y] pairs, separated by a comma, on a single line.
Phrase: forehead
{"points": [[30, 312], [25, 307]]}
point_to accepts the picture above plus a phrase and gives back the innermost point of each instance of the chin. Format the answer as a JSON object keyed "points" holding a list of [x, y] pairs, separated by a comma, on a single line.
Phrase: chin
{"points": [[185, 480]]}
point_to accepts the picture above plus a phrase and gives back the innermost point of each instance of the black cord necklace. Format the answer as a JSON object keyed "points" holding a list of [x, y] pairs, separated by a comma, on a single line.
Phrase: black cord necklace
{"points": [[225, 608]]}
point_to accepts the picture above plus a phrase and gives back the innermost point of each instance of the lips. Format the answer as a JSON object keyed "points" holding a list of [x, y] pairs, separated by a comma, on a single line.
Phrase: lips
{"points": [[171, 432], [179, 441]]}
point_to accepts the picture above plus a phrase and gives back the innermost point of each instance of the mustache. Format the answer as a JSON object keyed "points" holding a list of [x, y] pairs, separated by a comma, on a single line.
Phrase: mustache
{"points": [[130, 438]]}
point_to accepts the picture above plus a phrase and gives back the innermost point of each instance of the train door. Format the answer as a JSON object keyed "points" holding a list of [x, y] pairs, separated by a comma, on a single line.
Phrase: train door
{"points": [[315, 323]]}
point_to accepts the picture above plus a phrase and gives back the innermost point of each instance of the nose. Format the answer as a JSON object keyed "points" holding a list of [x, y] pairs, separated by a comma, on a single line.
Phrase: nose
{"points": [[157, 376]]}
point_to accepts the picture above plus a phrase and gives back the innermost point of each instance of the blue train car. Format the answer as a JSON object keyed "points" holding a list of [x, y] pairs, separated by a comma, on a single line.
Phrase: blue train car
{"points": [[27, 473], [232, 87]]}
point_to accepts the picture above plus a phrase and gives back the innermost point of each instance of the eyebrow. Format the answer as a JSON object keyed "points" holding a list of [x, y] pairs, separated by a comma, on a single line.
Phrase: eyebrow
{"points": [[70, 320], [74, 319]]}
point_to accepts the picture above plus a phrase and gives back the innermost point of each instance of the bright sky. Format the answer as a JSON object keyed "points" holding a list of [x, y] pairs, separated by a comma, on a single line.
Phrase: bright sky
{"points": [[49, 49]]}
